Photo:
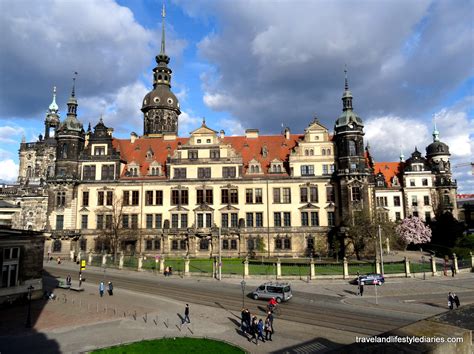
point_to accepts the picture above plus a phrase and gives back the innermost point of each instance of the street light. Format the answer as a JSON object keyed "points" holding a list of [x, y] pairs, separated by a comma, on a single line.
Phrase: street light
{"points": [[243, 283], [28, 316]]}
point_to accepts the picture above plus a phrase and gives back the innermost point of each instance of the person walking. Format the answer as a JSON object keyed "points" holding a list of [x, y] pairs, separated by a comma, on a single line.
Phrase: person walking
{"points": [[268, 329], [361, 288], [260, 327], [68, 280], [80, 278], [453, 269], [186, 314], [254, 327], [110, 288], [456, 300], [450, 300], [101, 289]]}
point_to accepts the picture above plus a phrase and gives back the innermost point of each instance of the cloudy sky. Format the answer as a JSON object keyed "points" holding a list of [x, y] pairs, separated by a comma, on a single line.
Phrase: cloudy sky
{"points": [[246, 64]]}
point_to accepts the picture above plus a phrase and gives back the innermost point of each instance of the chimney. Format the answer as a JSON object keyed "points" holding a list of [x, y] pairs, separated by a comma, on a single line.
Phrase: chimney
{"points": [[287, 133], [222, 134], [133, 137], [251, 133]]}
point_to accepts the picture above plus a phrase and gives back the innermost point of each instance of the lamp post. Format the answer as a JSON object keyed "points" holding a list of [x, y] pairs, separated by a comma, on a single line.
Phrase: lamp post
{"points": [[381, 250], [219, 271], [28, 316], [243, 283]]}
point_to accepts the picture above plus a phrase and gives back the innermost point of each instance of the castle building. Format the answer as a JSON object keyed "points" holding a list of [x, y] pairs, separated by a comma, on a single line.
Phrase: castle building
{"points": [[272, 195]]}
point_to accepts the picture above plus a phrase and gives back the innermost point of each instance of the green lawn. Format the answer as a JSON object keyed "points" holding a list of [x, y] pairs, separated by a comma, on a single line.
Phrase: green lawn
{"points": [[174, 345]]}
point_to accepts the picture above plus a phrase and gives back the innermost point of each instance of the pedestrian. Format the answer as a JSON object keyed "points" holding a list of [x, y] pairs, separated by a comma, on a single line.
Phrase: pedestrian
{"points": [[247, 320], [453, 269], [456, 300], [101, 289], [186, 314], [68, 280], [80, 278], [361, 288], [170, 271], [268, 329], [167, 271], [260, 327], [49, 255], [59, 260], [450, 300], [243, 325], [111, 288], [254, 327]]}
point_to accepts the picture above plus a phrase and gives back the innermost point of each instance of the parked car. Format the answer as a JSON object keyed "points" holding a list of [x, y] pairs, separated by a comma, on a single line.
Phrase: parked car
{"points": [[369, 279], [280, 291]]}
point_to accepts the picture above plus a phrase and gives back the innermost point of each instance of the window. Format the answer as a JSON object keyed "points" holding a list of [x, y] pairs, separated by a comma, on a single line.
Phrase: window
{"points": [[287, 243], [258, 196], [149, 198], [99, 150], [228, 172], [286, 195], [107, 172], [426, 200], [287, 219], [424, 181], [159, 198], [398, 215], [304, 218], [204, 244], [282, 243], [258, 219], [204, 196], [215, 155], [313, 194], [249, 219], [229, 196], [60, 199], [356, 193], [89, 173], [179, 173], [184, 220], [204, 172], [85, 199], [396, 201], [414, 201], [249, 196], [225, 244], [126, 198], [307, 170], [314, 218], [149, 221], [100, 198], [158, 221], [234, 220], [381, 201], [149, 245], [179, 197], [174, 221], [134, 221], [233, 244], [412, 183], [415, 214], [84, 221], [57, 245], [193, 154], [331, 218], [330, 195], [174, 244], [83, 244], [59, 222], [446, 199], [250, 244], [277, 219], [100, 222], [108, 221], [10, 267], [125, 221], [427, 216], [225, 221], [276, 195], [352, 148], [135, 198], [110, 198], [325, 169]]}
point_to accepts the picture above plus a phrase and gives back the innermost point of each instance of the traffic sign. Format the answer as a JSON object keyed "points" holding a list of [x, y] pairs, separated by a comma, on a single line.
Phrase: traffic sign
{"points": [[83, 264]]}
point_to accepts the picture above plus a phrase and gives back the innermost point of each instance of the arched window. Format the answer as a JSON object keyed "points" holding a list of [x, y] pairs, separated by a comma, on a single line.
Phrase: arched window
{"points": [[279, 168], [252, 169], [56, 246], [324, 152], [306, 152], [311, 152], [328, 152], [29, 172], [64, 151], [257, 169], [352, 148], [160, 78]]}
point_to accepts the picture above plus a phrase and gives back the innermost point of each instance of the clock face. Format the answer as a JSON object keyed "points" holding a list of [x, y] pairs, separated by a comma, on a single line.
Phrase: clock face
{"points": [[351, 126]]}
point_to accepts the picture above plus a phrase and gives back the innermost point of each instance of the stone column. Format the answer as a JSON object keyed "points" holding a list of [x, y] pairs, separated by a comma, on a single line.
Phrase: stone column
{"points": [[140, 262], [472, 261], [162, 265], [433, 266], [407, 268], [345, 269], [377, 266], [122, 257], [246, 267], [186, 266], [71, 255], [156, 263], [79, 257], [455, 260], [104, 259], [89, 261], [312, 273], [387, 245], [278, 275]]}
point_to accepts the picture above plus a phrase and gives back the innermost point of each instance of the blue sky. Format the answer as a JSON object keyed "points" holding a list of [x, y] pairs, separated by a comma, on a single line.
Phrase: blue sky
{"points": [[246, 64]]}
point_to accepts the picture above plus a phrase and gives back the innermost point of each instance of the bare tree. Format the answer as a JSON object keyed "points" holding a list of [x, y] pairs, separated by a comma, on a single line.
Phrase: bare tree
{"points": [[113, 231]]}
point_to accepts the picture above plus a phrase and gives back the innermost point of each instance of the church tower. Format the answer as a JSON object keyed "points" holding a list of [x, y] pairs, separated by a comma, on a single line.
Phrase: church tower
{"points": [[353, 174], [70, 140], [160, 106], [51, 123]]}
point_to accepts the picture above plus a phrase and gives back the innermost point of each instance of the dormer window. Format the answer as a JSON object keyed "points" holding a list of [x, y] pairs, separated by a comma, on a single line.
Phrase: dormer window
{"points": [[99, 150], [133, 170], [198, 141], [394, 181], [276, 166], [254, 167], [154, 169], [208, 141]]}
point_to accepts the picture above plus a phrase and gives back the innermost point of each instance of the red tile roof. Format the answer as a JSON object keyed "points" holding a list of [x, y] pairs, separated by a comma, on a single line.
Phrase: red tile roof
{"points": [[278, 147], [389, 169]]}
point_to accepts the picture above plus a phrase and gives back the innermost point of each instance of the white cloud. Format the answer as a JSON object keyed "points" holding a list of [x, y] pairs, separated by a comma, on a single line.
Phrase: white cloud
{"points": [[10, 134], [457, 131], [231, 126], [8, 170], [187, 122]]}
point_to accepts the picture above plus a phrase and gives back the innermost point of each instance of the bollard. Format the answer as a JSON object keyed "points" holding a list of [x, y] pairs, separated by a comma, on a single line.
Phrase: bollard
{"points": [[433, 266], [377, 266], [312, 273], [455, 260], [278, 275], [345, 269], [407, 268]]}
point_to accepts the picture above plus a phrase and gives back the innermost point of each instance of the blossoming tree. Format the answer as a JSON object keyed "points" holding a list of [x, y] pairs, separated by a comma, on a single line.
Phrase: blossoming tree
{"points": [[413, 230]]}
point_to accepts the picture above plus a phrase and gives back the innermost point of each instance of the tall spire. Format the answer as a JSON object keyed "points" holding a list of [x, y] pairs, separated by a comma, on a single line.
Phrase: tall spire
{"points": [[72, 102], [402, 157], [435, 131], [347, 95], [53, 107], [163, 15]]}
